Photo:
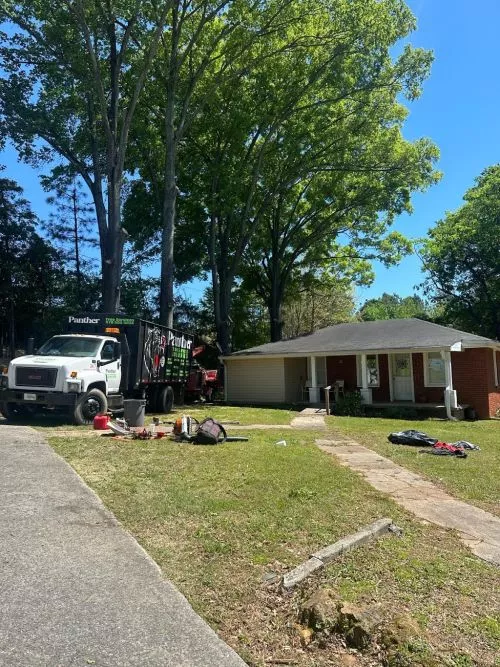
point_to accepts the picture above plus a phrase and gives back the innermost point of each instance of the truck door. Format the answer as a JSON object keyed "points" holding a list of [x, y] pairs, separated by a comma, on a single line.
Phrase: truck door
{"points": [[112, 370]]}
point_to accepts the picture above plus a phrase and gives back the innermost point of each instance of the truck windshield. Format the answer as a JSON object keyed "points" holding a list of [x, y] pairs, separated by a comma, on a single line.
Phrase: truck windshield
{"points": [[70, 346]]}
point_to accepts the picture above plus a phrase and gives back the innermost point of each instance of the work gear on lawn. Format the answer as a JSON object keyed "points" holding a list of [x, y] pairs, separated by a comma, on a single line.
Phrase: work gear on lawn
{"points": [[463, 444], [436, 446], [445, 449], [411, 437], [210, 432]]}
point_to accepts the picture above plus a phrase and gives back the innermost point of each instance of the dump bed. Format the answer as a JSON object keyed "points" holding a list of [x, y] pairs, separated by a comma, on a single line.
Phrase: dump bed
{"points": [[151, 353]]}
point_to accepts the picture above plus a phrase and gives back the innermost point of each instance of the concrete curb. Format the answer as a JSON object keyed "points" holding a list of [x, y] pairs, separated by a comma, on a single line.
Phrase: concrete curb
{"points": [[325, 556]]}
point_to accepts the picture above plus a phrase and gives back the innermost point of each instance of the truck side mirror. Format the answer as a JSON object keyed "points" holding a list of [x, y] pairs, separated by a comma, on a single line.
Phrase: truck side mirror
{"points": [[117, 350]]}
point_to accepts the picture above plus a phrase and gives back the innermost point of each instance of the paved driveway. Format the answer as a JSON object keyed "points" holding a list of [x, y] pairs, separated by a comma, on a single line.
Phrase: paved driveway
{"points": [[77, 589]]}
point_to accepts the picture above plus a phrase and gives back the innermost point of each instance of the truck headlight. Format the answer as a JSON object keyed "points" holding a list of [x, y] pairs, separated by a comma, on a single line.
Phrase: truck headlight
{"points": [[73, 385]]}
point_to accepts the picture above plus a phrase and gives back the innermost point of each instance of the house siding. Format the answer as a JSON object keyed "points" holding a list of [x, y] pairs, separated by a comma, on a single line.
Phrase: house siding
{"points": [[255, 380]]}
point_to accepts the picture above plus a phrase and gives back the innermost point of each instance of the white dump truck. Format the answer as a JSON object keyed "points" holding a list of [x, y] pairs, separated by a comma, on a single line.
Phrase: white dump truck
{"points": [[100, 361]]}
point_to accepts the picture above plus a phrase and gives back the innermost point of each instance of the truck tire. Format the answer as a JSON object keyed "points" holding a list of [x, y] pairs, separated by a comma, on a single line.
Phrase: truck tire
{"points": [[88, 406], [165, 402], [13, 412]]}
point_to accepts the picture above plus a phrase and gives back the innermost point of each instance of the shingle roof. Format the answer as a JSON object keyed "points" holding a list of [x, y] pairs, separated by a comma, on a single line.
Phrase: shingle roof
{"points": [[365, 336]]}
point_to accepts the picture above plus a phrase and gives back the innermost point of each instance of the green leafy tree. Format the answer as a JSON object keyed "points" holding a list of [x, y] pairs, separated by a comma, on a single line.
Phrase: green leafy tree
{"points": [[290, 157], [30, 268], [73, 75], [319, 303], [70, 226], [461, 258], [394, 307], [208, 42]]}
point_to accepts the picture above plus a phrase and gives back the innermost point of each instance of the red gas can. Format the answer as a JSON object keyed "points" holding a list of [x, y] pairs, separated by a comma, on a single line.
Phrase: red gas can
{"points": [[101, 422]]}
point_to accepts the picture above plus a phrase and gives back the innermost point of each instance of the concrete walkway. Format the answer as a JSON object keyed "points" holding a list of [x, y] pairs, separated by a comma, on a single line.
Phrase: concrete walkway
{"points": [[478, 529], [310, 418], [75, 588]]}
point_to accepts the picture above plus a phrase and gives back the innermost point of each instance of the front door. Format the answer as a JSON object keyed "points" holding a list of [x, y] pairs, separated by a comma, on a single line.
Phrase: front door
{"points": [[111, 370], [402, 377]]}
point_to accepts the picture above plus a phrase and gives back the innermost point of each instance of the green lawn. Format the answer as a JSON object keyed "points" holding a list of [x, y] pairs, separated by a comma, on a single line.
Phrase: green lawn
{"points": [[242, 414], [217, 519], [475, 479], [245, 416]]}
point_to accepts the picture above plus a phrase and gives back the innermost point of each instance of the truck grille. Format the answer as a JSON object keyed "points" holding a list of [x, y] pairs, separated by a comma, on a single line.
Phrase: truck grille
{"points": [[28, 376]]}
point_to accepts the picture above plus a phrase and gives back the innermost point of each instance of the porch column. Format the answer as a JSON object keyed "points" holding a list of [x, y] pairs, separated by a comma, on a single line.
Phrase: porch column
{"points": [[314, 393], [450, 395], [366, 392]]}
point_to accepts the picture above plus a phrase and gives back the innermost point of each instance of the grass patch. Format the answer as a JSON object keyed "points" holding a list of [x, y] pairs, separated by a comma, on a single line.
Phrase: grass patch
{"points": [[242, 414], [217, 519], [245, 416], [474, 479]]}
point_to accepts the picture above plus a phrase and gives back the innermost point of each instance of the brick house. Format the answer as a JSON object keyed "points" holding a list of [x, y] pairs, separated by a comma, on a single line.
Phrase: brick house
{"points": [[408, 362]]}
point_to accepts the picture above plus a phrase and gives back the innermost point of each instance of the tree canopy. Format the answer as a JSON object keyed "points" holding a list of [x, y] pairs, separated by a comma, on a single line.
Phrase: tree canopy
{"points": [[258, 143], [29, 266], [73, 75], [461, 258], [393, 307]]}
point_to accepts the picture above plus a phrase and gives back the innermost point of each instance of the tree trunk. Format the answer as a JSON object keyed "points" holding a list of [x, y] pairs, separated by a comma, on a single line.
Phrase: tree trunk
{"points": [[77, 246], [276, 320], [224, 326], [168, 233], [12, 329], [221, 289], [113, 247], [169, 185], [275, 302]]}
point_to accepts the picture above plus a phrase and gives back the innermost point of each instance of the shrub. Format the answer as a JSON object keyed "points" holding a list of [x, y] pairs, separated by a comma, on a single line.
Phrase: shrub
{"points": [[401, 412], [349, 405]]}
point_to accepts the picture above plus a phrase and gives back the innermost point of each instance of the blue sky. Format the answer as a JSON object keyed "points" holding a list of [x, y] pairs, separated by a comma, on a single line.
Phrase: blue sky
{"points": [[459, 110]]}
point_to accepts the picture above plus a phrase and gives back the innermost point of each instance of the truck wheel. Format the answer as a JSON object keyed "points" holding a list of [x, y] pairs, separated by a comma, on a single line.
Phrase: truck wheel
{"points": [[13, 412], [91, 404], [165, 402]]}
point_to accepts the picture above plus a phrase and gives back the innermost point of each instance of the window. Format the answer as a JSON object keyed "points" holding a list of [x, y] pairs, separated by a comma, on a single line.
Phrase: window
{"points": [[108, 351], [496, 367], [69, 346], [434, 375], [372, 370]]}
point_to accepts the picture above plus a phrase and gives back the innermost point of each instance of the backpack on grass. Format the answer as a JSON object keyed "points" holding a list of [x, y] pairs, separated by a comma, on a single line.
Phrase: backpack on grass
{"points": [[210, 432]]}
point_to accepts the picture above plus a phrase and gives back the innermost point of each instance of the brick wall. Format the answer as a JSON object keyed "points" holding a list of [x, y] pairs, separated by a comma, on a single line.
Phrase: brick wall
{"points": [[424, 394], [342, 368], [494, 393], [382, 393], [473, 379]]}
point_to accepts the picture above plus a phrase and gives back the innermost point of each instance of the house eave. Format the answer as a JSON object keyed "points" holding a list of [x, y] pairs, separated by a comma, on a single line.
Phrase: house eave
{"points": [[343, 353]]}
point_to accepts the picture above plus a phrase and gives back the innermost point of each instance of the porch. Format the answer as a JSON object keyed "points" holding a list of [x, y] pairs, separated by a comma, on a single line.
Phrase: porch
{"points": [[422, 381]]}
